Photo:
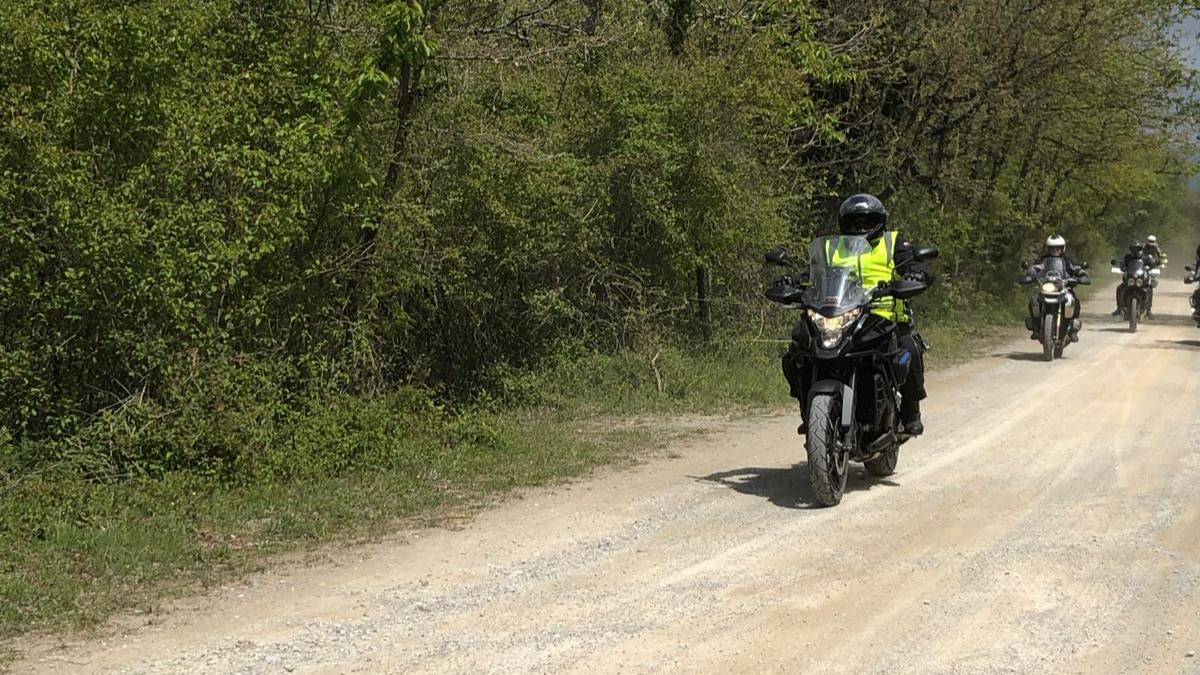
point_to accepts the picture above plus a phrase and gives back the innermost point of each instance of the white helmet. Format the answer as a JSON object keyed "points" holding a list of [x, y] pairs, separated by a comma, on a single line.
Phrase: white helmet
{"points": [[1056, 241], [1151, 239]]}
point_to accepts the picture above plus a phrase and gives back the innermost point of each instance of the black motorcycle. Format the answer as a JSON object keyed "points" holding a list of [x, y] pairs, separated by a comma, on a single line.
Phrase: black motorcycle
{"points": [[1138, 278], [1192, 277], [857, 367], [1052, 326]]}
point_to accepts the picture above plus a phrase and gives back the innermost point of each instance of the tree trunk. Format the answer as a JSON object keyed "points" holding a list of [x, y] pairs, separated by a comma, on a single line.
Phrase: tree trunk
{"points": [[595, 8], [679, 22], [403, 103]]}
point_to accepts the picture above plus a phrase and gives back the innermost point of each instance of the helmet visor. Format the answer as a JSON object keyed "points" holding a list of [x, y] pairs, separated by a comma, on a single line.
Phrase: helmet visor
{"points": [[859, 224]]}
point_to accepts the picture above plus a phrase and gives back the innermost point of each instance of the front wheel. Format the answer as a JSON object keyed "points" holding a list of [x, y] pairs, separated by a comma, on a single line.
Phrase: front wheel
{"points": [[1048, 333], [826, 457], [1133, 315]]}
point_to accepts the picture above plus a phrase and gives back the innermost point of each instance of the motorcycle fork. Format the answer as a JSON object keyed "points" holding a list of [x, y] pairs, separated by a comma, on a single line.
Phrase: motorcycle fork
{"points": [[849, 405], [847, 376]]}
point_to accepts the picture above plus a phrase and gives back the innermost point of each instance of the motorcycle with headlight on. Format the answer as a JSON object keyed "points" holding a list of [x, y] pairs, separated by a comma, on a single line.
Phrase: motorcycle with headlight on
{"points": [[856, 365], [1051, 320], [1139, 279]]}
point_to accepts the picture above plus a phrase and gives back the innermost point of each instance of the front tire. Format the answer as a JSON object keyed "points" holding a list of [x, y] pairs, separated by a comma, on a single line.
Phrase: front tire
{"points": [[827, 461], [1133, 315], [1048, 333]]}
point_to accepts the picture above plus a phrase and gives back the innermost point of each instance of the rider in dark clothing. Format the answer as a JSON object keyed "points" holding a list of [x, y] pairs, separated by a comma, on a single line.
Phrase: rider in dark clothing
{"points": [[1056, 248], [1191, 278], [1154, 252], [865, 216], [1137, 250]]}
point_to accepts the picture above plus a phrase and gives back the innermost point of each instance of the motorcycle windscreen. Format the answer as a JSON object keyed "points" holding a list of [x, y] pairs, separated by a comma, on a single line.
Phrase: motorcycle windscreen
{"points": [[1052, 267], [835, 274]]}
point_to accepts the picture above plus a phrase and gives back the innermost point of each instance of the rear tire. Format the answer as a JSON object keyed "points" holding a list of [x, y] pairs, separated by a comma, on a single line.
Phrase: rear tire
{"points": [[1048, 333], [1133, 315], [885, 463], [827, 461]]}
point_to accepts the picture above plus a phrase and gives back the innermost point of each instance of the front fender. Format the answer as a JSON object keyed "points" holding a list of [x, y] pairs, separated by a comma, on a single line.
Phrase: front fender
{"points": [[846, 389]]}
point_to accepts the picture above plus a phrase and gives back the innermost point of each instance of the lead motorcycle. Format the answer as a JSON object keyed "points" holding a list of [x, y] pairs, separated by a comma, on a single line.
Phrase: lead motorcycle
{"points": [[1139, 279], [1052, 326], [853, 401]]}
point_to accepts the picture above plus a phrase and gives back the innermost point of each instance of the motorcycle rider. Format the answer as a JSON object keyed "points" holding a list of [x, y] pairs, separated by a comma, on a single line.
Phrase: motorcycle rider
{"points": [[892, 258], [1056, 247], [1191, 278], [1137, 250], [1154, 252]]}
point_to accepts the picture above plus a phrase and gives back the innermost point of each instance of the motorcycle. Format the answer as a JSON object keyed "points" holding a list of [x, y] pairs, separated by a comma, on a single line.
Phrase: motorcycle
{"points": [[1192, 277], [1053, 326], [1139, 279], [857, 366]]}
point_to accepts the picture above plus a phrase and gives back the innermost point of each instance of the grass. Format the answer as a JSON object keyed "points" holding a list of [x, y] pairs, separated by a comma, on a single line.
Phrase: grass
{"points": [[78, 551], [75, 552]]}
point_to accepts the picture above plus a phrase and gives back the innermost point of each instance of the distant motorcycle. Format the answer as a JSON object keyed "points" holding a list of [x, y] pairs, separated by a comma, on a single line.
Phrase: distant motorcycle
{"points": [[1192, 277], [1053, 324], [853, 406], [1139, 279]]}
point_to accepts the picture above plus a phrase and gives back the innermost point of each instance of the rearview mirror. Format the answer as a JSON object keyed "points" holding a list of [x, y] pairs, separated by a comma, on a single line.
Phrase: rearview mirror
{"points": [[1113, 262], [780, 257], [1189, 268], [925, 253]]}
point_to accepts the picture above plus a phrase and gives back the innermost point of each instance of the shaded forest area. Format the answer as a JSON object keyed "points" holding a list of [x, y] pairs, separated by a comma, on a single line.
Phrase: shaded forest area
{"points": [[238, 235]]}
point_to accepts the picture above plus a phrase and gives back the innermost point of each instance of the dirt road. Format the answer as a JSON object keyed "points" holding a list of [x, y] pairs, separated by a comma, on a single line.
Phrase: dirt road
{"points": [[1048, 522]]}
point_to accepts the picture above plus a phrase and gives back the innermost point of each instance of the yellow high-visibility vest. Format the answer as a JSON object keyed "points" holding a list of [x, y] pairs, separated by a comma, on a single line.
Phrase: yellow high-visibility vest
{"points": [[874, 267]]}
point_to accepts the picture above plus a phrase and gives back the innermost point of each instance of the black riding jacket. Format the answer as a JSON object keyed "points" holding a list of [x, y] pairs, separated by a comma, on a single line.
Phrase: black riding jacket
{"points": [[1074, 269]]}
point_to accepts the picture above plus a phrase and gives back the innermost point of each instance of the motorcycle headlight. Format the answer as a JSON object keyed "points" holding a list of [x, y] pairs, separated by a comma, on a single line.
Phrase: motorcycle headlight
{"points": [[831, 330], [1049, 287], [1129, 282], [1138, 281]]}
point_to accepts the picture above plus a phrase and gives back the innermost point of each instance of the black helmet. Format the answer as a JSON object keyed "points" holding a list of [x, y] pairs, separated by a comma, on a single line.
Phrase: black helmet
{"points": [[862, 215], [1136, 248]]}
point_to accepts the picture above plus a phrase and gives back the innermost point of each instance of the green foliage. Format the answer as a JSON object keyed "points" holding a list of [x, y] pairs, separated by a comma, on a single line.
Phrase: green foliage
{"points": [[180, 185]]}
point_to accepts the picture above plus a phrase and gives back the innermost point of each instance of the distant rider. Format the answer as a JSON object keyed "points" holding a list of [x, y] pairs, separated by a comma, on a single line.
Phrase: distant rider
{"points": [[1154, 253], [1137, 251], [1056, 248], [1192, 278], [891, 259]]}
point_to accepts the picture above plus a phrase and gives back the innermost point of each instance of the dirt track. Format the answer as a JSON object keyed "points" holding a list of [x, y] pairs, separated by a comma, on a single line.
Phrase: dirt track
{"points": [[1049, 521]]}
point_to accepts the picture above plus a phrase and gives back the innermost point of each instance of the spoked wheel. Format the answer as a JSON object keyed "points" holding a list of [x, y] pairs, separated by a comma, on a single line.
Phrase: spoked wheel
{"points": [[827, 460], [1133, 315], [1048, 333]]}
